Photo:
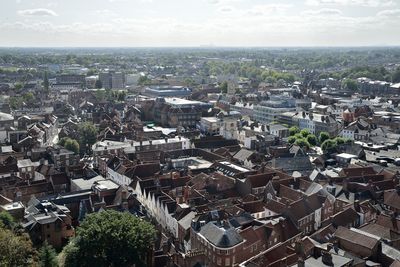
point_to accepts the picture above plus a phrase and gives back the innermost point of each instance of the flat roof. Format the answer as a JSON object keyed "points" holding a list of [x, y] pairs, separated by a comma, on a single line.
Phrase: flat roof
{"points": [[84, 184], [181, 102], [106, 185], [13, 206]]}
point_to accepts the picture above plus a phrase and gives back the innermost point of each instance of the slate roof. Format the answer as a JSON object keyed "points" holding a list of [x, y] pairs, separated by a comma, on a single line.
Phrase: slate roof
{"points": [[243, 154], [380, 231], [345, 217], [220, 236], [304, 207], [356, 238], [392, 198]]}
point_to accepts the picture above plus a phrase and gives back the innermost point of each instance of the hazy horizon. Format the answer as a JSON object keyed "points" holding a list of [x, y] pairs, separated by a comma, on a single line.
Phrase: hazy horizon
{"points": [[201, 23]]}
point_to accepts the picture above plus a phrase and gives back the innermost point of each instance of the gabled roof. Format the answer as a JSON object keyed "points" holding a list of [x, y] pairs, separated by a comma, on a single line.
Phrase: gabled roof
{"points": [[219, 236], [345, 217], [243, 154], [304, 207], [392, 198], [354, 237]]}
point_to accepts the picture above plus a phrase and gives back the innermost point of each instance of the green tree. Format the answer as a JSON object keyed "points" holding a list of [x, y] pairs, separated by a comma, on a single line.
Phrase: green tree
{"points": [[143, 80], [312, 140], [305, 132], [224, 87], [302, 143], [72, 145], [47, 256], [121, 96], [28, 98], [111, 238], [18, 86], [329, 145], [69, 255], [323, 136], [396, 76], [292, 139], [350, 85], [6, 220], [16, 250], [62, 141], [294, 130], [88, 135], [340, 140]]}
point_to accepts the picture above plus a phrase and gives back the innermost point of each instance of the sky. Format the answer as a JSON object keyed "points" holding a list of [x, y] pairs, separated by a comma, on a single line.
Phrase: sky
{"points": [[192, 23]]}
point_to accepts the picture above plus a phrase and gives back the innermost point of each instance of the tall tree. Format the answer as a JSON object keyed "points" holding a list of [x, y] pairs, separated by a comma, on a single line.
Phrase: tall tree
{"points": [[110, 238], [323, 136], [350, 84], [224, 87], [396, 76], [72, 145], [312, 140], [47, 256], [88, 136], [294, 130]]}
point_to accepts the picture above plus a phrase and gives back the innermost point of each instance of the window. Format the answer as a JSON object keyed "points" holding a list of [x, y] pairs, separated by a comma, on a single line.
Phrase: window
{"points": [[219, 261], [227, 262]]}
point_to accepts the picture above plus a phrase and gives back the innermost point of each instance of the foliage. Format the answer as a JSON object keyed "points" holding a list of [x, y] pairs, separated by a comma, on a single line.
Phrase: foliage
{"points": [[6, 220], [340, 140], [110, 238], [62, 141], [143, 80], [329, 145], [350, 84], [312, 140], [396, 76], [294, 130], [72, 145], [88, 135], [16, 249], [47, 256], [305, 132], [69, 255], [323, 136], [18, 86], [17, 102], [224, 87], [302, 142], [292, 139]]}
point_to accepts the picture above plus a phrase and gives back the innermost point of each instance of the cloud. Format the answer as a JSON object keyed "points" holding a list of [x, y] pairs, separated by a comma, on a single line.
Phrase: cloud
{"points": [[389, 13], [226, 9], [105, 13], [323, 12], [266, 9], [270, 25], [367, 3], [222, 2], [143, 1], [37, 12]]}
